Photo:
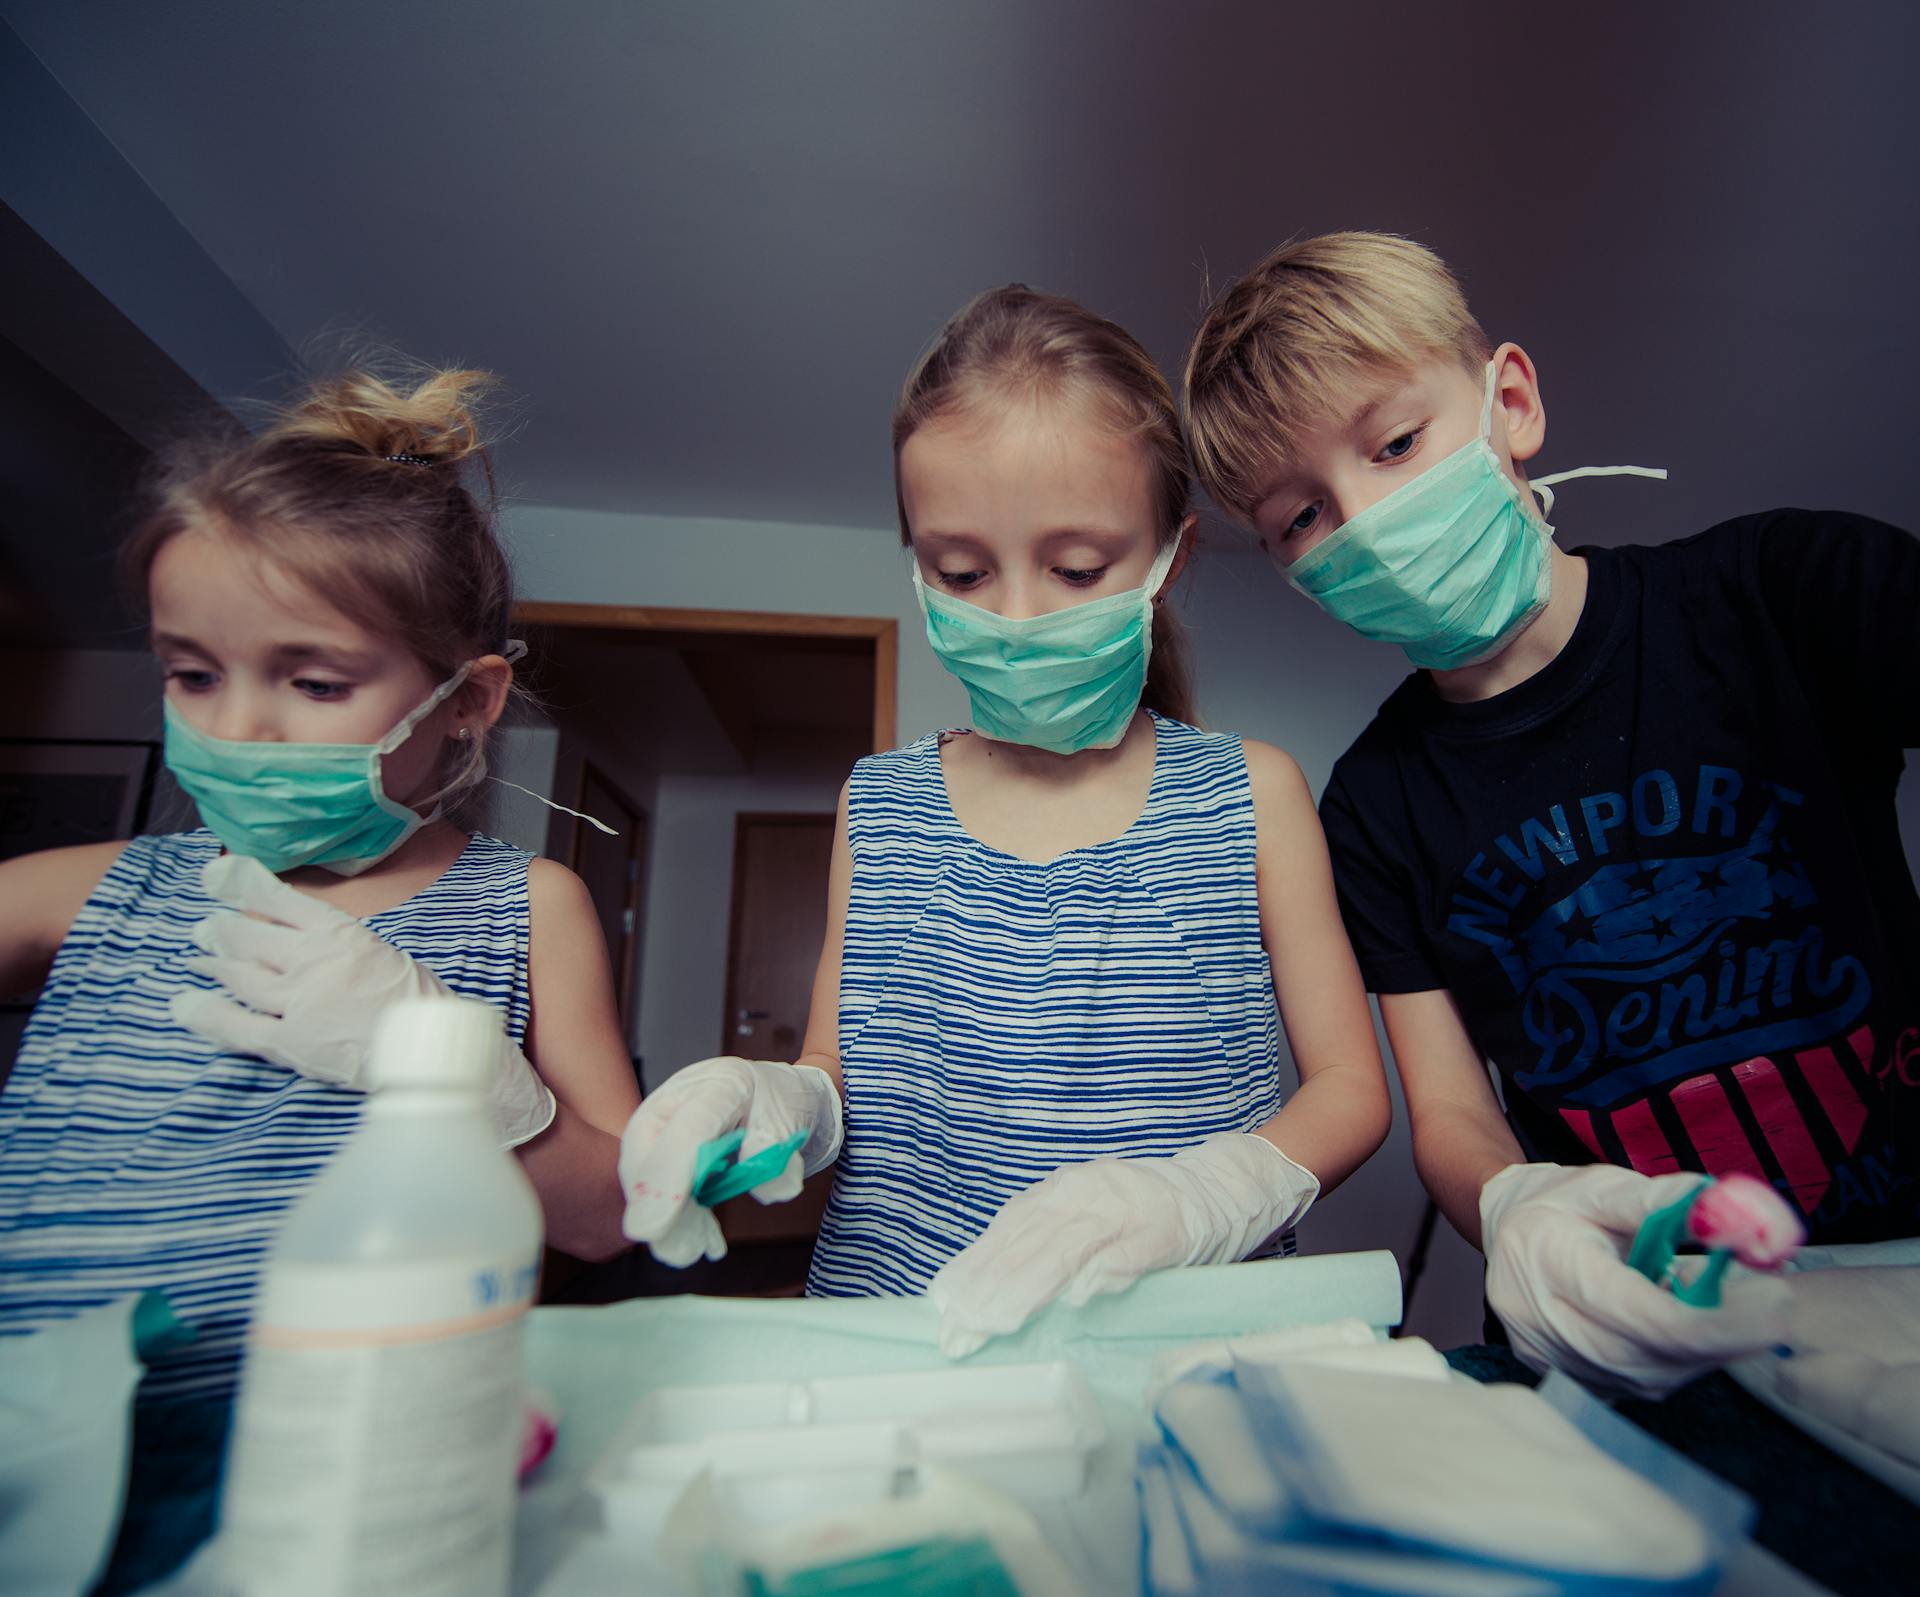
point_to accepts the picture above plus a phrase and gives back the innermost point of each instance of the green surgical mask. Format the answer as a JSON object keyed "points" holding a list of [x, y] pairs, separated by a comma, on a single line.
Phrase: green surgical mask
{"points": [[1065, 681], [294, 804], [1451, 566]]}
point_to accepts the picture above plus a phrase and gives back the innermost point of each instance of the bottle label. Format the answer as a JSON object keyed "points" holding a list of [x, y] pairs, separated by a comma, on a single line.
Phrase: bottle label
{"points": [[378, 1434]]}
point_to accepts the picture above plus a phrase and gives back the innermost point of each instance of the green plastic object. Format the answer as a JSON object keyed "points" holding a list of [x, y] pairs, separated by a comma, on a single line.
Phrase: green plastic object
{"points": [[946, 1566], [719, 1173], [156, 1328], [1659, 1238]]}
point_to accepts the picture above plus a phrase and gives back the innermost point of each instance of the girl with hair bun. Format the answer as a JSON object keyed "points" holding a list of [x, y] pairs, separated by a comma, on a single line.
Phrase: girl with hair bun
{"points": [[329, 604]]}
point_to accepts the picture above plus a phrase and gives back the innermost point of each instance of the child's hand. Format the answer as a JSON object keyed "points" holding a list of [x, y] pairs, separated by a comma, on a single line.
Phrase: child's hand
{"points": [[312, 981], [1099, 1226], [1556, 1242], [700, 1104]]}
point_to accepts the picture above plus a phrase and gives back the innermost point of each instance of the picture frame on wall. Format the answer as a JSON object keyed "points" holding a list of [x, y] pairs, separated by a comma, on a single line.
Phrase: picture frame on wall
{"points": [[55, 792]]}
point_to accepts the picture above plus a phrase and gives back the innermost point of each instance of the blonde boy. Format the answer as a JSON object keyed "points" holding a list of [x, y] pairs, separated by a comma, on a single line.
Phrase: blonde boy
{"points": [[1628, 834]]}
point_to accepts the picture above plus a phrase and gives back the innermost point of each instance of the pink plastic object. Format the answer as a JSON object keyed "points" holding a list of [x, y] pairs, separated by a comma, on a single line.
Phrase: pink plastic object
{"points": [[1747, 1218], [537, 1440]]}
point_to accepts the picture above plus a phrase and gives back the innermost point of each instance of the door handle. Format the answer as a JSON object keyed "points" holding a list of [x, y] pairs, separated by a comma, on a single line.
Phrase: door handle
{"points": [[745, 1018]]}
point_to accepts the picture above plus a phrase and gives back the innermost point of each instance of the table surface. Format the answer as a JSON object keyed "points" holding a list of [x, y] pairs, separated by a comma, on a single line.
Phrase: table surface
{"points": [[1819, 1513]]}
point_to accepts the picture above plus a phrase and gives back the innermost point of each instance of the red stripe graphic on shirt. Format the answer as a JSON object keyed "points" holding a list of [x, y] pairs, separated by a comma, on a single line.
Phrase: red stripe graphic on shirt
{"points": [[1786, 1131], [1837, 1095], [1646, 1145], [1719, 1139], [1861, 1042], [1581, 1123], [1715, 1128]]}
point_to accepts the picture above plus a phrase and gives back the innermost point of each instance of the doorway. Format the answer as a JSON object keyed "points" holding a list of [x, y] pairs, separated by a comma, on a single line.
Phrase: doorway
{"points": [[715, 742], [734, 632], [780, 866], [612, 866]]}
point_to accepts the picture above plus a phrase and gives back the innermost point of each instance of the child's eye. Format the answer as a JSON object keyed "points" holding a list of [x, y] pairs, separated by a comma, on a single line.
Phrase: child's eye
{"points": [[960, 581], [1304, 520], [190, 678], [1078, 578], [323, 691], [1402, 446]]}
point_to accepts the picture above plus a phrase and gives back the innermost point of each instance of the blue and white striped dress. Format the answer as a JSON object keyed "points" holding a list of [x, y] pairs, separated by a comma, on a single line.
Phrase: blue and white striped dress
{"points": [[134, 1154], [1000, 1018]]}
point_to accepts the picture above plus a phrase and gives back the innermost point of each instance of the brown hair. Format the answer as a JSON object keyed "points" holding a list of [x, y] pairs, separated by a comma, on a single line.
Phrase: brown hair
{"points": [[1279, 347], [358, 489], [1018, 340]]}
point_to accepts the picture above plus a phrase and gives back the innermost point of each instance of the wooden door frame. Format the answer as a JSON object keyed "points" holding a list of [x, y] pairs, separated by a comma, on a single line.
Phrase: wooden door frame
{"points": [[637, 839], [883, 630]]}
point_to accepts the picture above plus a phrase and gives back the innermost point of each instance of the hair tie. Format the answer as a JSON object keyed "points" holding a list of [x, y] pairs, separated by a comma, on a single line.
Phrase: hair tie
{"points": [[409, 460]]}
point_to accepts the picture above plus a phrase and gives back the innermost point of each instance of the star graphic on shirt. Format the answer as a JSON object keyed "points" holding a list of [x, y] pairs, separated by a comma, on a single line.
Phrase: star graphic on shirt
{"points": [[1577, 927], [1662, 927]]}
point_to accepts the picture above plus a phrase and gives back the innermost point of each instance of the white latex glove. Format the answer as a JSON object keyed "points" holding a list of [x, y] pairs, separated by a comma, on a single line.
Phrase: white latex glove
{"points": [[1556, 1242], [314, 981], [702, 1103], [1099, 1226]]}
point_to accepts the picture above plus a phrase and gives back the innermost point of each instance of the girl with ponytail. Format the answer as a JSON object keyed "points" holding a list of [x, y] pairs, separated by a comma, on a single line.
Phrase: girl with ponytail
{"points": [[1044, 1047]]}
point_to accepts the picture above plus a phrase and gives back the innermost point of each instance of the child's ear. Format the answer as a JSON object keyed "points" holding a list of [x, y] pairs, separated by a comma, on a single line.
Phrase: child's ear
{"points": [[1188, 533], [478, 701], [1517, 402]]}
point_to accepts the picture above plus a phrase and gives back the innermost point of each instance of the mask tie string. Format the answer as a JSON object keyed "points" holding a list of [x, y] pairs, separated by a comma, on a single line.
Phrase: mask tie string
{"points": [[591, 820], [1544, 485], [513, 650]]}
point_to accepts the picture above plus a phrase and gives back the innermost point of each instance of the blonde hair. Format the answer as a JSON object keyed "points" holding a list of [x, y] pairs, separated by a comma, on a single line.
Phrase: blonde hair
{"points": [[1281, 346], [359, 490], [1015, 341]]}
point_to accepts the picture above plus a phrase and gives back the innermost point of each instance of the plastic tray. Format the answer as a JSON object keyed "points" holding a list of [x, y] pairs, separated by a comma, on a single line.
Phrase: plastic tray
{"points": [[1029, 1429]]}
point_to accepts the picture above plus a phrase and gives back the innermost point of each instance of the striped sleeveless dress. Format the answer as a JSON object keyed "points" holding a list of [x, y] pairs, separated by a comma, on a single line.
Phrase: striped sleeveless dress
{"points": [[134, 1154], [1000, 1018]]}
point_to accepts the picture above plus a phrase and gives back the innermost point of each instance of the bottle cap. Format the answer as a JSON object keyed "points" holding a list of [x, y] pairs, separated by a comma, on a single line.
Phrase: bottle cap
{"points": [[452, 1044]]}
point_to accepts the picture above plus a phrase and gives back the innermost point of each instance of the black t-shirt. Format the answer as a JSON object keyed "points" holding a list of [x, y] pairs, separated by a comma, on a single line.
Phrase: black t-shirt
{"points": [[1663, 878]]}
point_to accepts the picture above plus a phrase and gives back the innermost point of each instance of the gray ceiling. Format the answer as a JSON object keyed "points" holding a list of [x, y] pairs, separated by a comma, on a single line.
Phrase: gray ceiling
{"points": [[704, 239]]}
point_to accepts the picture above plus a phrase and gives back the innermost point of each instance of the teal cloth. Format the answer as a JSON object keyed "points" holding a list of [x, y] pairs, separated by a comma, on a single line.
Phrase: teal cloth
{"points": [[719, 1173], [944, 1568]]}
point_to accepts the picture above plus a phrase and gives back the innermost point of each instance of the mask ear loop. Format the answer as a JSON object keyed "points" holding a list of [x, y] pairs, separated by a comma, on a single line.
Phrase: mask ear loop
{"points": [[1162, 564], [397, 738]]}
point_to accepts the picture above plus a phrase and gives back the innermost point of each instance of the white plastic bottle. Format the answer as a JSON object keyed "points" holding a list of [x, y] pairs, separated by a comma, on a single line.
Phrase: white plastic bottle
{"points": [[378, 1429]]}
